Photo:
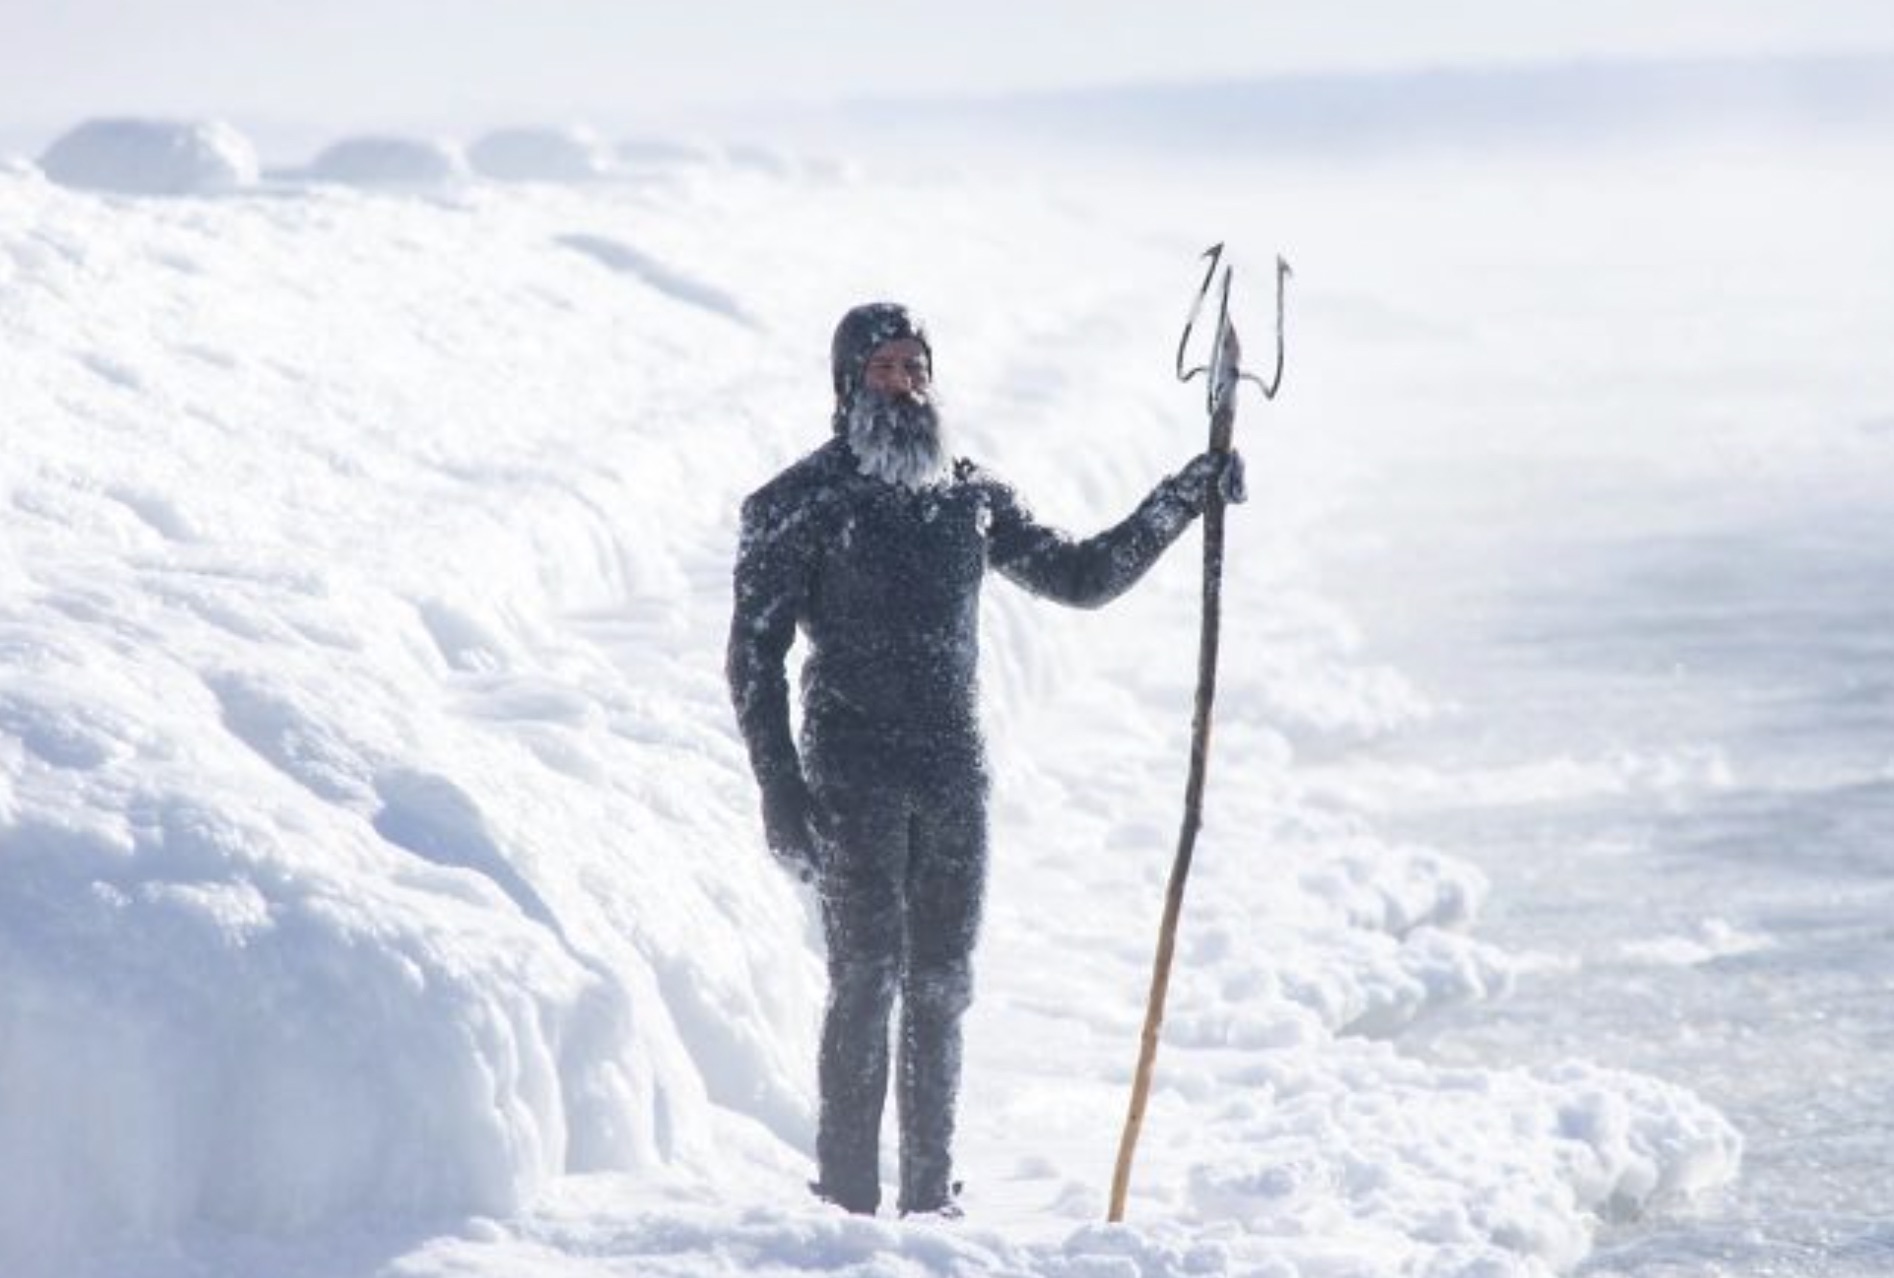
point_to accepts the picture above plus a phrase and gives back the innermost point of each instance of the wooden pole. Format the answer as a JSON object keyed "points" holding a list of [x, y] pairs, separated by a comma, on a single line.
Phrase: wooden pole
{"points": [[1222, 427]]}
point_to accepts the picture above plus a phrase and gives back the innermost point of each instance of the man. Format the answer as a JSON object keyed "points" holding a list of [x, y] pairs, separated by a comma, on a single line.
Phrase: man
{"points": [[874, 546]]}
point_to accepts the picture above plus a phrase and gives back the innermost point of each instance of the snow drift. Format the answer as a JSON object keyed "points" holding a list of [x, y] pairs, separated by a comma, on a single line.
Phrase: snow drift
{"points": [[542, 154], [378, 160], [152, 157], [660, 152]]}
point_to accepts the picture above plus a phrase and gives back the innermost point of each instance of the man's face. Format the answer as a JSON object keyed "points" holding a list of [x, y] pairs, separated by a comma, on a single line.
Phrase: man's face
{"points": [[893, 422], [899, 369]]}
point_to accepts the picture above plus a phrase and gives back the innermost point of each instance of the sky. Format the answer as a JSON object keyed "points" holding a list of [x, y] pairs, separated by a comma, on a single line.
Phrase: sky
{"points": [[468, 63]]}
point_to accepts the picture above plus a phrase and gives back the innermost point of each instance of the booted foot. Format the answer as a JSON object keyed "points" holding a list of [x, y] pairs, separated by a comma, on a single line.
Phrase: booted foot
{"points": [[937, 1207], [859, 1204]]}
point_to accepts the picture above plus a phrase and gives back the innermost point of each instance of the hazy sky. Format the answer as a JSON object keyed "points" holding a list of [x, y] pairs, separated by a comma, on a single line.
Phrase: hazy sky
{"points": [[437, 63]]}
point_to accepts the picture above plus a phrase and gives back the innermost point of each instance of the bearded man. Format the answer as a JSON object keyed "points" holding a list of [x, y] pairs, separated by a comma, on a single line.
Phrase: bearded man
{"points": [[874, 547]]}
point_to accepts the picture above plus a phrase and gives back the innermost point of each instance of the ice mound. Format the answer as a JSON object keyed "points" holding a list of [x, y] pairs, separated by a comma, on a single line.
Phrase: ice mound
{"points": [[390, 161], [542, 155], [152, 157]]}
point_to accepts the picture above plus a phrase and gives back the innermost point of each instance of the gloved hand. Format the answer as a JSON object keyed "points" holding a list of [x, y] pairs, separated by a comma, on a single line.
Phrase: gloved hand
{"points": [[1209, 472], [789, 829]]}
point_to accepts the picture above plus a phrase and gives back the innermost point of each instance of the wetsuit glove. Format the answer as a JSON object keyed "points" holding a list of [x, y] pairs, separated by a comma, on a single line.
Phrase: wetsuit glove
{"points": [[1212, 471], [787, 828]]}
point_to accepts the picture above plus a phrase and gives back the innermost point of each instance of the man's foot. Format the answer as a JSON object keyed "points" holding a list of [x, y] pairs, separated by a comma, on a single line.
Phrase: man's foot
{"points": [[938, 1206], [855, 1204]]}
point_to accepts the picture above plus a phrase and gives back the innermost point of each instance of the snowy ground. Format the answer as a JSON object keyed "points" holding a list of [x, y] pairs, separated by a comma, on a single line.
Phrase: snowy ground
{"points": [[380, 886]]}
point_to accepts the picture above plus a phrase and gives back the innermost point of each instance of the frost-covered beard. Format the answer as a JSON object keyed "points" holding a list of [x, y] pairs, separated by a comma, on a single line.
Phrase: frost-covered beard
{"points": [[898, 440]]}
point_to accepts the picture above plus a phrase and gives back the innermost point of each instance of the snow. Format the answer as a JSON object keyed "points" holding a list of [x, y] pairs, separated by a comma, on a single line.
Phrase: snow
{"points": [[381, 887], [542, 154], [152, 157], [663, 152], [385, 160]]}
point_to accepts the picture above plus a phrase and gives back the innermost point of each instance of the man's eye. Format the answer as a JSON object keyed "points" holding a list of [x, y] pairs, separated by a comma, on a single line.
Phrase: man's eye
{"points": [[915, 369]]}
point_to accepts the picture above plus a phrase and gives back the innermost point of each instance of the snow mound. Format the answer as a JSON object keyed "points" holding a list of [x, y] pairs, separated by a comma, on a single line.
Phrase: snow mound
{"points": [[542, 155], [650, 153], [757, 158], [390, 161], [152, 157], [1501, 1172]]}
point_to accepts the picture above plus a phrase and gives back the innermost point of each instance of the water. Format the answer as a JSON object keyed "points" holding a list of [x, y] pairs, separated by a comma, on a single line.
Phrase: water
{"points": [[1722, 914]]}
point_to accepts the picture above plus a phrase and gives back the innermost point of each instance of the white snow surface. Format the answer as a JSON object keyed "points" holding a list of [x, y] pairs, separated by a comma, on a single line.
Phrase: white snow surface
{"points": [[381, 887], [133, 156], [380, 160], [545, 153]]}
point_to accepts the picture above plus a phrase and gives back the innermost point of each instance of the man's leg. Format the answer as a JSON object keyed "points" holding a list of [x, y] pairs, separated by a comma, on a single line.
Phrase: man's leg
{"points": [[945, 886], [861, 914]]}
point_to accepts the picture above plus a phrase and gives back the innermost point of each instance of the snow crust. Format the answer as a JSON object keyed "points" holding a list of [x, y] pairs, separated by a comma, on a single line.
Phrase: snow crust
{"points": [[132, 156], [380, 881]]}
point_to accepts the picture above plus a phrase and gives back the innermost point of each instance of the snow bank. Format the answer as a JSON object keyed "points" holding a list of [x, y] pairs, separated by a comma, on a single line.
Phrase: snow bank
{"points": [[390, 161], [327, 888], [542, 155], [152, 157]]}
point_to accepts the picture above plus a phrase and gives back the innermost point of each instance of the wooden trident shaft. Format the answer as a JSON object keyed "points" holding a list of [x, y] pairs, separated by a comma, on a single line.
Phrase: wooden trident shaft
{"points": [[1224, 373]]}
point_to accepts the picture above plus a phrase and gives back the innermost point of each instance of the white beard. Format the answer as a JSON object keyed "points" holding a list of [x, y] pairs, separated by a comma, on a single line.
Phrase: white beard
{"points": [[899, 441]]}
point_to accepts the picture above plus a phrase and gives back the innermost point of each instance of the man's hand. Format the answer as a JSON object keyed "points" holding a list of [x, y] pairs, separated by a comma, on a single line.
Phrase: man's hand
{"points": [[789, 829], [1213, 471]]}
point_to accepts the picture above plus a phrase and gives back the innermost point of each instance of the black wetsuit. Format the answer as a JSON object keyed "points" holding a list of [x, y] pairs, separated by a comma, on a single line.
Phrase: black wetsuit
{"points": [[884, 583]]}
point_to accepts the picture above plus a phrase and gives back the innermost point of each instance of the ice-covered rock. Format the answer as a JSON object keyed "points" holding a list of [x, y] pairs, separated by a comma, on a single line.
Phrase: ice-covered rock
{"points": [[542, 155], [152, 157], [377, 160]]}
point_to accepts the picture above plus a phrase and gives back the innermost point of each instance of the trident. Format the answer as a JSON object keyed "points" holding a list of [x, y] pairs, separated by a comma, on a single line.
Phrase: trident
{"points": [[1222, 373]]}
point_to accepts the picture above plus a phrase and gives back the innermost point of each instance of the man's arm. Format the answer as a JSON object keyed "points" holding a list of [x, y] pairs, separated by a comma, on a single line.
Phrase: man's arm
{"points": [[769, 585], [1096, 570]]}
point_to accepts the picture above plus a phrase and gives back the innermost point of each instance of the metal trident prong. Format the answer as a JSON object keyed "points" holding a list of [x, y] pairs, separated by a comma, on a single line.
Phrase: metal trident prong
{"points": [[1223, 368]]}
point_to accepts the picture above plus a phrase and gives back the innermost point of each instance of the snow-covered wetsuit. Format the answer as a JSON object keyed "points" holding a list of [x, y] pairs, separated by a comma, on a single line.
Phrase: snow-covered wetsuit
{"points": [[884, 583]]}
